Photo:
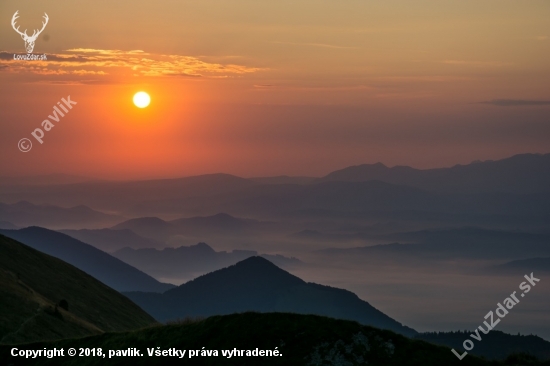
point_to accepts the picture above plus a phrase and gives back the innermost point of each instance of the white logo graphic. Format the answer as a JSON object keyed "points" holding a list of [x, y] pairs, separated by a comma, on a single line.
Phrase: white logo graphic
{"points": [[29, 41]]}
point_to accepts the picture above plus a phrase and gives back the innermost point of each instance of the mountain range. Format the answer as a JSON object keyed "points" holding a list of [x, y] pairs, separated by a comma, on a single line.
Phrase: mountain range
{"points": [[24, 214], [125, 195], [524, 174], [514, 186], [219, 224], [453, 243], [111, 240], [104, 267], [43, 298], [191, 261], [255, 284], [8, 225], [44, 180]]}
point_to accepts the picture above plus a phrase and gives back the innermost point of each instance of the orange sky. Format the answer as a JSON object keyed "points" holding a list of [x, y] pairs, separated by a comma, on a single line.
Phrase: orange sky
{"points": [[289, 87]]}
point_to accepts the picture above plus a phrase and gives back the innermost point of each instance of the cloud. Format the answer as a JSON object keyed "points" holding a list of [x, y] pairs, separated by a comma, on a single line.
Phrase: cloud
{"points": [[107, 52], [73, 82], [85, 61], [6, 56], [516, 102]]}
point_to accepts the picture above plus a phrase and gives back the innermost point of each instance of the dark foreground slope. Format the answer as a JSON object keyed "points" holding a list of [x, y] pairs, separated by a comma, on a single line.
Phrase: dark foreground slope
{"points": [[256, 284], [111, 271], [33, 283], [495, 346], [300, 339]]}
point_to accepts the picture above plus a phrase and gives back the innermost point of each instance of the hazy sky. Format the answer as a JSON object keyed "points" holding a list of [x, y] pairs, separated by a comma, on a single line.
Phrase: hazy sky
{"points": [[267, 88]]}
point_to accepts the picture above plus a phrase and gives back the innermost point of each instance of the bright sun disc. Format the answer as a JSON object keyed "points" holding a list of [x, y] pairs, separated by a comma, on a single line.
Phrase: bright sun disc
{"points": [[142, 99]]}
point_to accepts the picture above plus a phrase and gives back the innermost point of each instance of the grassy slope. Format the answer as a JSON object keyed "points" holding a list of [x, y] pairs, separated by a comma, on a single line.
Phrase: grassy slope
{"points": [[302, 340], [31, 283], [102, 266]]}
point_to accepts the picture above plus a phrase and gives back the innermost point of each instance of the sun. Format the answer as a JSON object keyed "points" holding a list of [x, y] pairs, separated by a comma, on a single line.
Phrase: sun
{"points": [[142, 99]]}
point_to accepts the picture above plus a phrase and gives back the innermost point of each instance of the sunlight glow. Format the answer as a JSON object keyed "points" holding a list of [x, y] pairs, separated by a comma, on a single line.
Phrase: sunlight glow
{"points": [[142, 99]]}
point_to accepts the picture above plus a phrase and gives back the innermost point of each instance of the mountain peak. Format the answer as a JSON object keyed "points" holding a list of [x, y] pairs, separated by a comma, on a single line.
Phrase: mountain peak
{"points": [[201, 247], [256, 262], [256, 284], [253, 270]]}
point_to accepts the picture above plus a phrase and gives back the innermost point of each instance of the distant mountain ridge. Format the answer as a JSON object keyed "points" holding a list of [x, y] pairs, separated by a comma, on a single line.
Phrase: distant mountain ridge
{"points": [[208, 194], [191, 261], [121, 195], [44, 179], [378, 196], [525, 173], [24, 214], [8, 225], [104, 267], [255, 284], [110, 240], [465, 242], [283, 179], [519, 186], [221, 223], [32, 287]]}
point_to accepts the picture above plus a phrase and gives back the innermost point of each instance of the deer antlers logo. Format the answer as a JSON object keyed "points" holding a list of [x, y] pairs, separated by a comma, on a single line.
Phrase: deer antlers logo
{"points": [[29, 41]]}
